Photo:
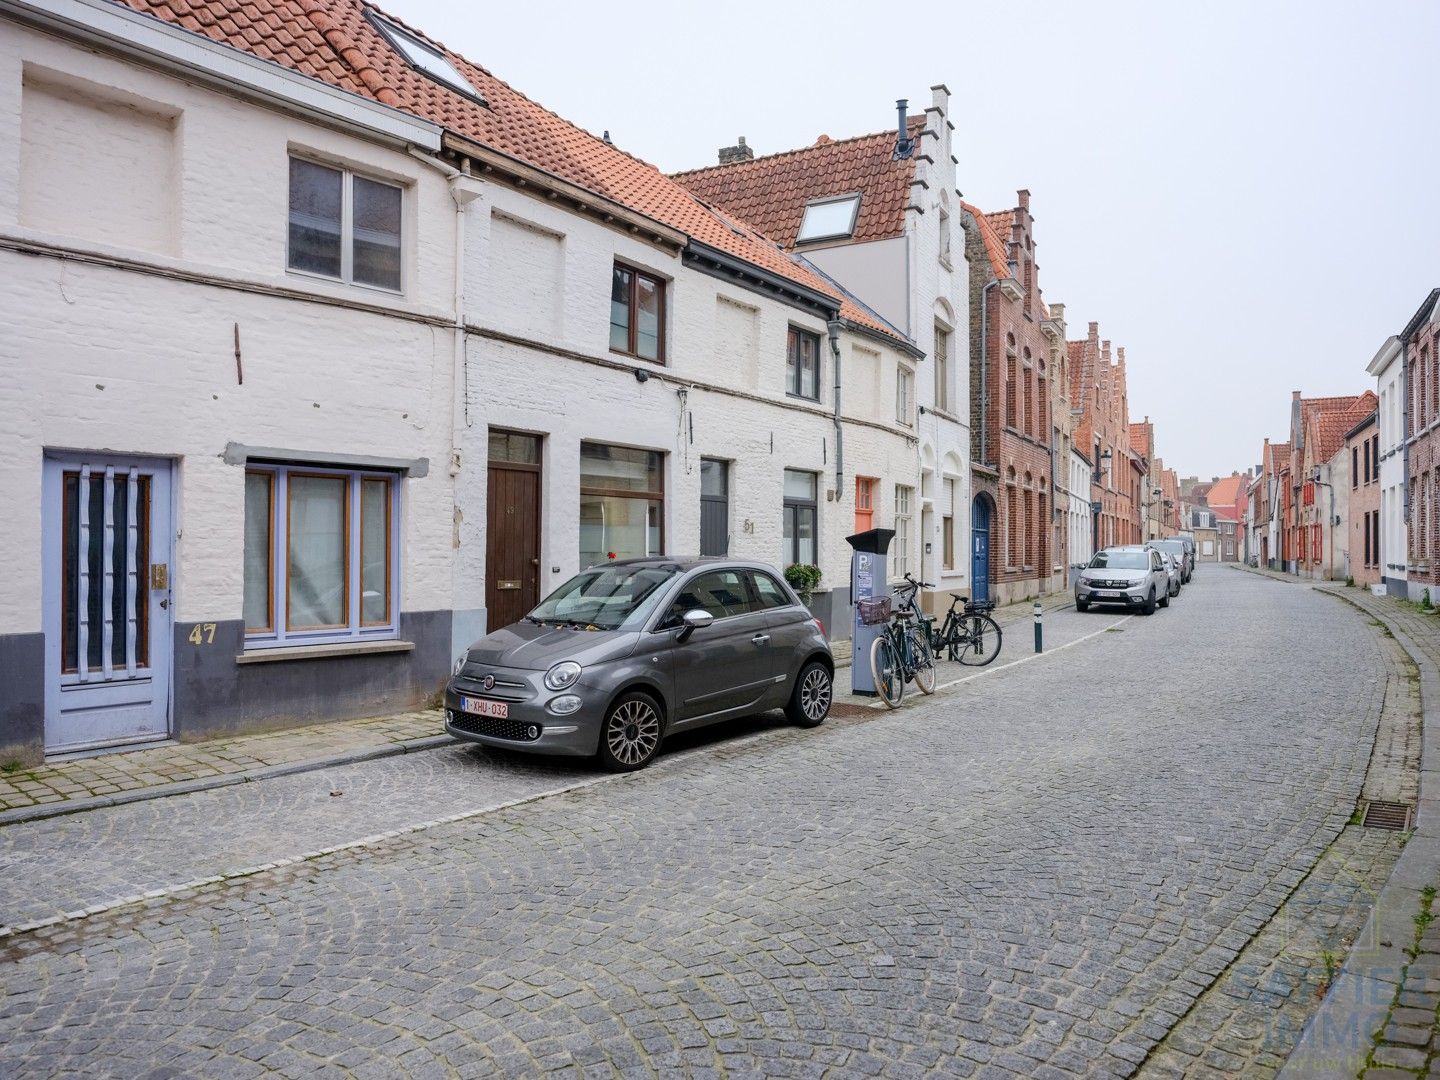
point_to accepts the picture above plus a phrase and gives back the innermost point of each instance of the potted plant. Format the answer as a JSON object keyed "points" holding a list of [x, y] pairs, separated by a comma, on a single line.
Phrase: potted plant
{"points": [[803, 578]]}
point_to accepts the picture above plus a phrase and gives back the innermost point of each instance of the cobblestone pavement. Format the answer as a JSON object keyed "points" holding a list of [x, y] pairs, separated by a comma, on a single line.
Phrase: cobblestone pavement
{"points": [[1036, 875], [170, 763], [1249, 1020]]}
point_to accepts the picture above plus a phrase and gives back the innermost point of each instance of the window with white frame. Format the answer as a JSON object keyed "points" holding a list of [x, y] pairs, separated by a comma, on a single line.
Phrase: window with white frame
{"points": [[942, 368], [344, 226], [321, 555], [947, 527], [900, 564], [829, 219], [904, 395]]}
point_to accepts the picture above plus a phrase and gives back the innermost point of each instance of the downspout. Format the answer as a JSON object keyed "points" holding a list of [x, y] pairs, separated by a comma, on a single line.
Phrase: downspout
{"points": [[833, 326]]}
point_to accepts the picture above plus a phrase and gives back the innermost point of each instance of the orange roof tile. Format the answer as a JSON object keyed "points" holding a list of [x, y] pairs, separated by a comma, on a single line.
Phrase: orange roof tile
{"points": [[334, 41], [1224, 492], [771, 192]]}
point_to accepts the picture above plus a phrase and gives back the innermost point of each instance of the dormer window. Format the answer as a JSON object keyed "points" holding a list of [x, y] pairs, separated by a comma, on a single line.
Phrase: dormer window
{"points": [[829, 219], [426, 58]]}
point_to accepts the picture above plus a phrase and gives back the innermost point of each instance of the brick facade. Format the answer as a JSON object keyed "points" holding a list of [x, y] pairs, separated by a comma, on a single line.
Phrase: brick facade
{"points": [[1016, 359], [1421, 344], [1098, 397], [1362, 445]]}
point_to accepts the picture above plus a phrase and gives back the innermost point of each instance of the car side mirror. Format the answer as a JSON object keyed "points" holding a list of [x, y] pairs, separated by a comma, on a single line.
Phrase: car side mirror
{"points": [[695, 619]]}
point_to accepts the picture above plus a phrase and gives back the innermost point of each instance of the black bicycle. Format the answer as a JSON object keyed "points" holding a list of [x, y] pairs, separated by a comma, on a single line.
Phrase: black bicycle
{"points": [[901, 653], [970, 636]]}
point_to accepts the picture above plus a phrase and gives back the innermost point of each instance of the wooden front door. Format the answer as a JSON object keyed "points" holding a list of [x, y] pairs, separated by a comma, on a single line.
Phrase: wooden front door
{"points": [[512, 532]]}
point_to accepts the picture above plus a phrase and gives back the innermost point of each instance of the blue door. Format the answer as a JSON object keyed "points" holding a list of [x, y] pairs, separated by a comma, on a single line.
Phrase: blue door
{"points": [[980, 548]]}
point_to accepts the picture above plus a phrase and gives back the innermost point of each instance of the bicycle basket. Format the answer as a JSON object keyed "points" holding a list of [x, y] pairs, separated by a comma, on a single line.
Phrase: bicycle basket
{"points": [[981, 605], [874, 610]]}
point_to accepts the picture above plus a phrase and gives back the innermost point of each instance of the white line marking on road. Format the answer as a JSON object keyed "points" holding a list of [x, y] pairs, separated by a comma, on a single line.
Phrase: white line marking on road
{"points": [[1032, 656]]}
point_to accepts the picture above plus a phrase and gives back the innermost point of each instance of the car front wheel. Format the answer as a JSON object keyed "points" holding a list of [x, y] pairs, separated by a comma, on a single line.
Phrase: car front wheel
{"points": [[630, 737], [1148, 608], [810, 700]]}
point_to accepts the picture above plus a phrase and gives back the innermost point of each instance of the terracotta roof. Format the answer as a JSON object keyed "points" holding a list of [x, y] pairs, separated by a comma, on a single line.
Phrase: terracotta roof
{"points": [[1332, 418], [1279, 456], [1142, 438], [1224, 492], [995, 246], [333, 41], [771, 192]]}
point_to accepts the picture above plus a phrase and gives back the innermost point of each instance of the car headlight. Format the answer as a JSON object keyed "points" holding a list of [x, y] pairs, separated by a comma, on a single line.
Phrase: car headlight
{"points": [[459, 664], [562, 675]]}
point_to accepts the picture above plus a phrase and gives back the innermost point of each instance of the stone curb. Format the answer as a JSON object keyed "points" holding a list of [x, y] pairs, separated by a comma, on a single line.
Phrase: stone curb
{"points": [[209, 783], [1341, 1032]]}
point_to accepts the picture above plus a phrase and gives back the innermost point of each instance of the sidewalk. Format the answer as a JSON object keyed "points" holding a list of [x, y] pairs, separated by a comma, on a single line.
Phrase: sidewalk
{"points": [[168, 768], [1381, 1018]]}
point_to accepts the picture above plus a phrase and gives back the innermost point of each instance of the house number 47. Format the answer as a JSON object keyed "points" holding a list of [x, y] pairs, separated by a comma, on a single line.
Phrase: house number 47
{"points": [[202, 634]]}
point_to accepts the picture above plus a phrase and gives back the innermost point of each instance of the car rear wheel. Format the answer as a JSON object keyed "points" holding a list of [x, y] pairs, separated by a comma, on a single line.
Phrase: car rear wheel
{"points": [[814, 691], [1165, 600], [630, 737]]}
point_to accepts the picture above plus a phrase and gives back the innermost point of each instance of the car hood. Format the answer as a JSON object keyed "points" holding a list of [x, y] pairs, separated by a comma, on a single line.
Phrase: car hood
{"points": [[1115, 574], [537, 648]]}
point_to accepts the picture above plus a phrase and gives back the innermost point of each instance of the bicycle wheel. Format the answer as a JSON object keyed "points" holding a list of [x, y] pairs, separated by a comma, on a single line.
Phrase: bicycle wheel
{"points": [[923, 658], [886, 671], [981, 643]]}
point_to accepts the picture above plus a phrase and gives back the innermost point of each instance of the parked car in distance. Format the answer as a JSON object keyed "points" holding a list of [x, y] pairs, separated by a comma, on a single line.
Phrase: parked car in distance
{"points": [[1188, 539], [1176, 574], [1130, 575], [1175, 549], [626, 652]]}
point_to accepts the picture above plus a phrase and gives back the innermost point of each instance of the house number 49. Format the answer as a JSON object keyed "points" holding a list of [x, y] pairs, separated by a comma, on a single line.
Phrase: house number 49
{"points": [[202, 634]]}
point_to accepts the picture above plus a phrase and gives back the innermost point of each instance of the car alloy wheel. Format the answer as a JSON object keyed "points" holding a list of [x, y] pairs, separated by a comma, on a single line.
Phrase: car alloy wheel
{"points": [[815, 694], [632, 733]]}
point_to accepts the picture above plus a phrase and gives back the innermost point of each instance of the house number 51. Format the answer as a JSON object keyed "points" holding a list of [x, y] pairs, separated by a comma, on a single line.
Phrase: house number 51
{"points": [[202, 634]]}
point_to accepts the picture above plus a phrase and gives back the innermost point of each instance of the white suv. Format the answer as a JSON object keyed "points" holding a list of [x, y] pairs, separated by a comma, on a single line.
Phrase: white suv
{"points": [[1131, 576]]}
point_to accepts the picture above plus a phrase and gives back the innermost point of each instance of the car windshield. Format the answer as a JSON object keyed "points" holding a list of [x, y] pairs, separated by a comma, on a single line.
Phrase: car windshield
{"points": [[1121, 560], [1172, 547], [604, 597]]}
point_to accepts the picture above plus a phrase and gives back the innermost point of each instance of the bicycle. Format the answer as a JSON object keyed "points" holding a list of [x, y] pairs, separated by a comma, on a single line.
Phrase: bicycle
{"points": [[902, 651], [971, 636]]}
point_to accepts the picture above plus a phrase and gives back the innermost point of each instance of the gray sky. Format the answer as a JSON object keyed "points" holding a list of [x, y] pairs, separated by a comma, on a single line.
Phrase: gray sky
{"points": [[1241, 194]]}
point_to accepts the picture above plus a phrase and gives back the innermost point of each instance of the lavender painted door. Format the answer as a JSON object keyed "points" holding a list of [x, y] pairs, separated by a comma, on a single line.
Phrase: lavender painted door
{"points": [[107, 560]]}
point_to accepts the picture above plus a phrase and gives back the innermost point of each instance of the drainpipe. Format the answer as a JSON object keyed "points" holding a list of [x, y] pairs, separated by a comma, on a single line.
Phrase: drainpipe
{"points": [[985, 370], [1329, 521], [833, 326]]}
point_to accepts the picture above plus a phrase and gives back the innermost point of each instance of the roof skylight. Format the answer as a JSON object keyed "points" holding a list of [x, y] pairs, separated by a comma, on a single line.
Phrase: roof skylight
{"points": [[828, 219], [425, 57]]}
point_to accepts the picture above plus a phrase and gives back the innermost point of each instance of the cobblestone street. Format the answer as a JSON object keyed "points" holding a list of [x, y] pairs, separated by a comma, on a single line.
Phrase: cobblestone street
{"points": [[1036, 873]]}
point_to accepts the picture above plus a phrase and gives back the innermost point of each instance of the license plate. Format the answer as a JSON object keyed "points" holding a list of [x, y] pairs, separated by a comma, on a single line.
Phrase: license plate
{"points": [[1110, 594], [481, 707]]}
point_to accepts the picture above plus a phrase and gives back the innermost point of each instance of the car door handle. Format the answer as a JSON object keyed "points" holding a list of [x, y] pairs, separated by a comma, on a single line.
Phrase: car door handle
{"points": [[760, 639]]}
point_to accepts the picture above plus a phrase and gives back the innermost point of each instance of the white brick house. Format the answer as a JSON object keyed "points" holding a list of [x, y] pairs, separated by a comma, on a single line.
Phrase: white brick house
{"points": [[301, 333]]}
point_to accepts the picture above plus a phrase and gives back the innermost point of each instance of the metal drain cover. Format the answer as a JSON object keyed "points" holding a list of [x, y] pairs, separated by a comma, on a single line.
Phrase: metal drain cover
{"points": [[1387, 815]]}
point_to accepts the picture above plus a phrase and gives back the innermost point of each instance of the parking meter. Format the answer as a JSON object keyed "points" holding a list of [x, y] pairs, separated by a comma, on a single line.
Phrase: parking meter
{"points": [[868, 577]]}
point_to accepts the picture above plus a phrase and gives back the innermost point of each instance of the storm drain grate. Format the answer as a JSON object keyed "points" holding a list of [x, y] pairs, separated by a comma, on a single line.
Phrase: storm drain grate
{"points": [[1387, 815]]}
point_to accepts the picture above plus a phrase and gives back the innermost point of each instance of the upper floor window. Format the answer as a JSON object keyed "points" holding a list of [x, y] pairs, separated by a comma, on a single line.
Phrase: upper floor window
{"points": [[904, 394], [802, 364], [942, 368], [829, 219], [344, 226], [637, 314], [427, 58]]}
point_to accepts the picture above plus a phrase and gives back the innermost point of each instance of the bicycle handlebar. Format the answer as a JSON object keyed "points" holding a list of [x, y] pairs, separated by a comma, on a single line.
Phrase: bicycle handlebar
{"points": [[919, 584]]}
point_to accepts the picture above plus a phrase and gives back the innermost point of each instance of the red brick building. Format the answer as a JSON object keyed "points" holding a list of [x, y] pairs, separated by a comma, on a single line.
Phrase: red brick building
{"points": [[1098, 397], [1017, 355], [1420, 341], [1315, 542]]}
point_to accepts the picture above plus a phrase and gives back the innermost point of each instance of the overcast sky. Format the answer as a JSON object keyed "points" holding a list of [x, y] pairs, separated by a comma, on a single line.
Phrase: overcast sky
{"points": [[1241, 194]]}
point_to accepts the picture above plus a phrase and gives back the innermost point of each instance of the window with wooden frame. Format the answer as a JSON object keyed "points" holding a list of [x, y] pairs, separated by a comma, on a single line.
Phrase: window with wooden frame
{"points": [[637, 313], [864, 503], [1011, 411], [345, 226], [321, 555], [942, 368], [947, 528], [622, 503], [802, 364]]}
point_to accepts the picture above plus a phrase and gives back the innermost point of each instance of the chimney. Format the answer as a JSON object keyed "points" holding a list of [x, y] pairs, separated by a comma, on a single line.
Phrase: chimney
{"points": [[739, 152], [904, 145], [1294, 395], [1024, 196]]}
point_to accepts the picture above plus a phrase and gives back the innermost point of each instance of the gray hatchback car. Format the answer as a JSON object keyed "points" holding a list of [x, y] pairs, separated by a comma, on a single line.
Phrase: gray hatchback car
{"points": [[627, 652]]}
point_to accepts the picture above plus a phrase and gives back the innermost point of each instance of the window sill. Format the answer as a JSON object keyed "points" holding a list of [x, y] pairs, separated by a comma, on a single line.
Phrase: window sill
{"points": [[658, 362], [322, 652]]}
